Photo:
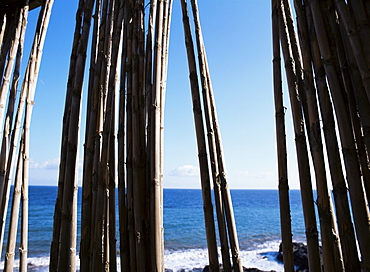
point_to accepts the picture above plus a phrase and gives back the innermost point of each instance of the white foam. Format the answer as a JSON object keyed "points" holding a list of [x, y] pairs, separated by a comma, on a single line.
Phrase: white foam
{"points": [[263, 257], [187, 259]]}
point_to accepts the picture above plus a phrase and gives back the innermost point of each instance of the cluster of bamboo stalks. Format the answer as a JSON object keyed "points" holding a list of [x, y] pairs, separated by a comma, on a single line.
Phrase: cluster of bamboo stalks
{"points": [[121, 49], [327, 73], [16, 123], [128, 58], [125, 92]]}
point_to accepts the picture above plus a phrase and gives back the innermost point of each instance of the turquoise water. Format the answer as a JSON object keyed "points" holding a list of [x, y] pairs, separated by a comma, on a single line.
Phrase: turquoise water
{"points": [[256, 215]]}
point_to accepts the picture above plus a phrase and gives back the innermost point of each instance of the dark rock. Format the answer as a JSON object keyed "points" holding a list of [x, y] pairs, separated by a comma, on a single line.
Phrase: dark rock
{"points": [[168, 270], [299, 256], [255, 270], [206, 269]]}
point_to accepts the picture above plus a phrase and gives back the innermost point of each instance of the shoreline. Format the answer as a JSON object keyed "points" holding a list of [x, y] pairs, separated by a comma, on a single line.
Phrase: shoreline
{"points": [[189, 260]]}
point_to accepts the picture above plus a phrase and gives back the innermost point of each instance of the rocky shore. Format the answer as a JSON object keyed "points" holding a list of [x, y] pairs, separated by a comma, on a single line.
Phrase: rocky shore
{"points": [[299, 255]]}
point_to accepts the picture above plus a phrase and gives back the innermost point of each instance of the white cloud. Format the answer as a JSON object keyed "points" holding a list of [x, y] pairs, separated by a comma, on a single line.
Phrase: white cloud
{"points": [[52, 164], [185, 171]]}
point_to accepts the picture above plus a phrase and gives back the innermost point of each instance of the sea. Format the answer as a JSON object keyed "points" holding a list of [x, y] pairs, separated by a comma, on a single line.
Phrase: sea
{"points": [[256, 216]]}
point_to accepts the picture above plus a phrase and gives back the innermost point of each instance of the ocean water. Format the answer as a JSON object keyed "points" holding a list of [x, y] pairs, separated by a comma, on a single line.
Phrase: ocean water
{"points": [[256, 215]]}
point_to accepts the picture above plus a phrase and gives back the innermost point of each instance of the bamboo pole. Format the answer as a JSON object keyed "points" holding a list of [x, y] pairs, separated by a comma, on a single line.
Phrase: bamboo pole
{"points": [[46, 11], [359, 49], [116, 51], [139, 167], [285, 217], [358, 13], [155, 156], [63, 254], [330, 248], [29, 88], [230, 219], [21, 15], [8, 34], [12, 95], [129, 138], [12, 99], [122, 192], [77, 62], [363, 107], [345, 227], [97, 96], [12, 150], [301, 149], [217, 150], [360, 211], [202, 155], [13, 224], [220, 209], [23, 248], [3, 23], [166, 37], [341, 38], [100, 232], [151, 93], [6, 77], [31, 79], [87, 176], [367, 8]]}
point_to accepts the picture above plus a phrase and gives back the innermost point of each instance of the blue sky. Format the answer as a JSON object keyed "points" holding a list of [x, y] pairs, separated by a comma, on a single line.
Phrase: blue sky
{"points": [[237, 35]]}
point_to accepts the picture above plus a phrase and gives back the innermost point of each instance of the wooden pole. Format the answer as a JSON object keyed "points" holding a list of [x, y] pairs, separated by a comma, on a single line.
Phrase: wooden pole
{"points": [[12, 99], [361, 103], [29, 87], [359, 49], [100, 232], [22, 15], [345, 227], [3, 21], [156, 140], [62, 255], [215, 134], [6, 77], [360, 211], [220, 209], [13, 224], [87, 176], [10, 25], [330, 248], [202, 153], [112, 86], [165, 46], [301, 149], [122, 192], [139, 167], [341, 39], [23, 248], [285, 217], [129, 138]]}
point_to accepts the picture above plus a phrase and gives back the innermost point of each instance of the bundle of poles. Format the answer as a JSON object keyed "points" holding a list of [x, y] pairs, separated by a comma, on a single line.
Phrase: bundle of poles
{"points": [[327, 68], [125, 93], [210, 152], [127, 78], [16, 119], [131, 60]]}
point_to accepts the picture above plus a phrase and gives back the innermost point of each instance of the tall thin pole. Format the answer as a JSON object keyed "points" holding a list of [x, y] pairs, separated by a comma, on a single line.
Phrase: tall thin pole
{"points": [[283, 185], [301, 149], [202, 153]]}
